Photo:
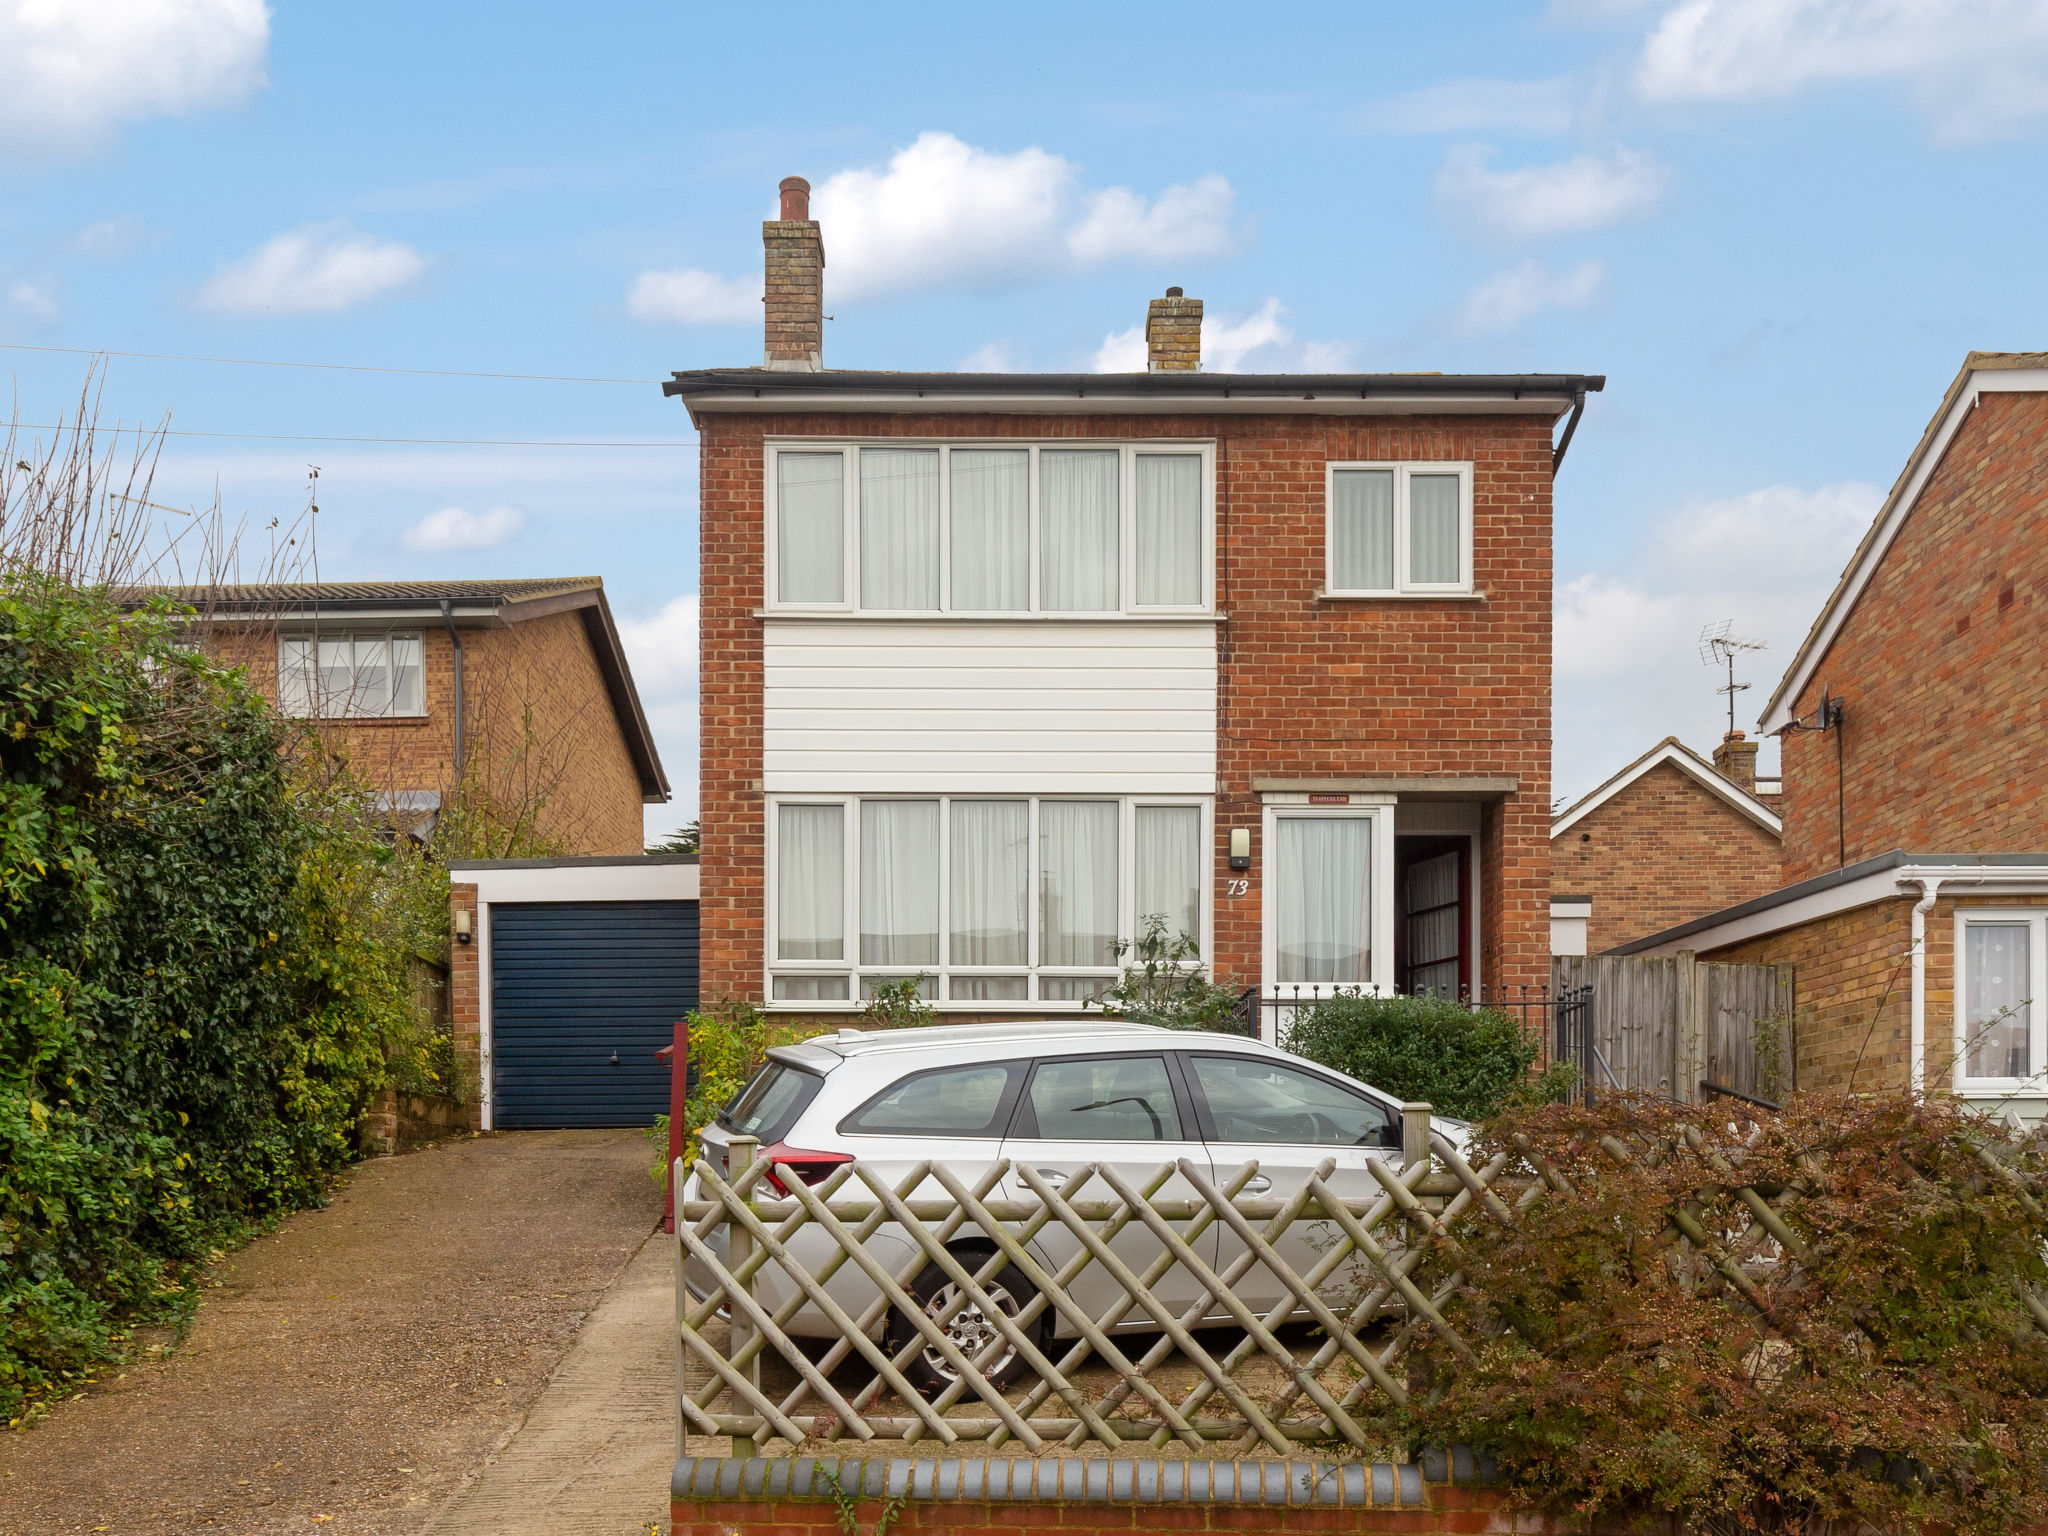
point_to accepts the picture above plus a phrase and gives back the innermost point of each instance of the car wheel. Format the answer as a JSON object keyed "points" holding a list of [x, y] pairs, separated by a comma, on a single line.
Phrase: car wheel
{"points": [[969, 1329]]}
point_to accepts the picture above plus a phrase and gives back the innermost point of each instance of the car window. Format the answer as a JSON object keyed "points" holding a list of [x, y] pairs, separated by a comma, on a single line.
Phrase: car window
{"points": [[950, 1101], [1105, 1098], [769, 1105], [1252, 1099]]}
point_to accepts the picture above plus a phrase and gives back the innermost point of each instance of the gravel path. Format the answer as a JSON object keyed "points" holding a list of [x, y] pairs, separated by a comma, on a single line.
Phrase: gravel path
{"points": [[353, 1370]]}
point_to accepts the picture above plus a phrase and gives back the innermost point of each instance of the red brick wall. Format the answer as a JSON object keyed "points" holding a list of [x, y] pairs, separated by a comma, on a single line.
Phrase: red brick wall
{"points": [[465, 994], [537, 719], [1306, 688], [1854, 1009], [1946, 701], [1662, 852]]}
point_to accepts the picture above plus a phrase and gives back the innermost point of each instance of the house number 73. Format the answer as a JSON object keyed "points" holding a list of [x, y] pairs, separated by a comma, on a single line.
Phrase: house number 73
{"points": [[1236, 887]]}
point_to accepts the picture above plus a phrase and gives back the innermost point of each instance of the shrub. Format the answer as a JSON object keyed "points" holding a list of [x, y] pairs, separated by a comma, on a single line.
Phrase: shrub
{"points": [[1466, 1062], [1163, 983], [1884, 1371], [194, 1003]]}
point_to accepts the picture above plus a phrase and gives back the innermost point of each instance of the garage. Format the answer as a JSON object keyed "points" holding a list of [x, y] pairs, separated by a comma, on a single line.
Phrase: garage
{"points": [[583, 968], [584, 994]]}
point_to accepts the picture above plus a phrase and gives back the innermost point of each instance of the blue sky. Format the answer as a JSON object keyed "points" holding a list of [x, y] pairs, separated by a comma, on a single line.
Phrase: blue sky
{"points": [[1776, 225]]}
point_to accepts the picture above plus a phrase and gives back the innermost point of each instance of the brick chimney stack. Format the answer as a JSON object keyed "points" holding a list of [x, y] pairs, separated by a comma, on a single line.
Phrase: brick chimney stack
{"points": [[1736, 759], [1173, 334], [794, 297]]}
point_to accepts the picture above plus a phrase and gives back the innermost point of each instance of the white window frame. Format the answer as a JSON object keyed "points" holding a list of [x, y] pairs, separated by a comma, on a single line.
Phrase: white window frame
{"points": [[2036, 921], [1403, 470], [349, 710], [1380, 813], [1128, 449], [943, 973]]}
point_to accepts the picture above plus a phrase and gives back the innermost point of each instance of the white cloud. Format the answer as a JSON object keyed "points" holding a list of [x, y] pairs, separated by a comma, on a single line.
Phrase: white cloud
{"points": [[111, 239], [1181, 223], [1260, 342], [662, 651], [1476, 106], [692, 296], [456, 528], [1976, 68], [71, 73], [995, 357], [33, 300], [314, 269], [1508, 298], [1588, 191], [943, 213], [1628, 671]]}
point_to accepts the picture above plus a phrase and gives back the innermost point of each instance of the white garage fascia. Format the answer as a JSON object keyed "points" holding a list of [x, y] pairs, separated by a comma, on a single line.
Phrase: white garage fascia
{"points": [[521, 880]]}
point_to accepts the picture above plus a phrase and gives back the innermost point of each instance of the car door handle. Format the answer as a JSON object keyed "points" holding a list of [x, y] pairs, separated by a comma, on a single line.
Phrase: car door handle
{"points": [[1052, 1176], [1257, 1184]]}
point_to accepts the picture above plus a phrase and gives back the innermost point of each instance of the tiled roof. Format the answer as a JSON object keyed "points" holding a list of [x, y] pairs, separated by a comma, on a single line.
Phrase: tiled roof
{"points": [[295, 594]]}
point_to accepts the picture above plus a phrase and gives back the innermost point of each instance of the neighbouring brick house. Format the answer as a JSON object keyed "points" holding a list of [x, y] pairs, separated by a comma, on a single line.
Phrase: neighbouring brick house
{"points": [[996, 666], [516, 689], [1913, 722], [1670, 837]]}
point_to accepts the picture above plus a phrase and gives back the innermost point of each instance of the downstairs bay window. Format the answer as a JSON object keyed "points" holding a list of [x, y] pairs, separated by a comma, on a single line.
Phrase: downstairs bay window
{"points": [[989, 900], [2001, 1026]]}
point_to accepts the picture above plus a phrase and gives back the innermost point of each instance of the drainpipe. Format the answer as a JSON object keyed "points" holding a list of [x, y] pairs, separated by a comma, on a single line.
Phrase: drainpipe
{"points": [[1917, 1039], [448, 618]]}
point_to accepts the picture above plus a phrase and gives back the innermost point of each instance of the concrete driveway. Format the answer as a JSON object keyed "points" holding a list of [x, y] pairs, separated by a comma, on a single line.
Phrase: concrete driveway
{"points": [[358, 1369]]}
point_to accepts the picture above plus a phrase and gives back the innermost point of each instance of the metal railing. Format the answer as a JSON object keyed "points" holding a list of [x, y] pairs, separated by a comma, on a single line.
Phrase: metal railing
{"points": [[763, 1265], [1561, 1022]]}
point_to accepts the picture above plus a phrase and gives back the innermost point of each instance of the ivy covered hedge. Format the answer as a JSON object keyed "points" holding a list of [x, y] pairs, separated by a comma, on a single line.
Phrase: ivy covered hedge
{"points": [[196, 997]]}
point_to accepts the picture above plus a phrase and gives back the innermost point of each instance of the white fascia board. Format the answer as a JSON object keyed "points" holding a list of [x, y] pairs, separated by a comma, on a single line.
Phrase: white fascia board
{"points": [[839, 402], [1671, 752], [1893, 884], [1778, 713], [1571, 906], [599, 882]]}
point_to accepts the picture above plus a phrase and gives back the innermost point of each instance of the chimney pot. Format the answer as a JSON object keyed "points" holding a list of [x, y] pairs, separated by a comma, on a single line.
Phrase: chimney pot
{"points": [[1735, 759], [793, 290], [1173, 334]]}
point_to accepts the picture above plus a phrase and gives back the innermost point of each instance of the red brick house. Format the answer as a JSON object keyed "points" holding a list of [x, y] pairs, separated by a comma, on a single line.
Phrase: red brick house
{"points": [[1916, 785], [998, 666], [1670, 837], [520, 689]]}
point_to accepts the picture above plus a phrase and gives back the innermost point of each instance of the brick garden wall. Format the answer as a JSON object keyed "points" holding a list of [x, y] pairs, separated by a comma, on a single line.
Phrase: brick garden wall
{"points": [[1939, 665], [1306, 688], [1662, 852]]}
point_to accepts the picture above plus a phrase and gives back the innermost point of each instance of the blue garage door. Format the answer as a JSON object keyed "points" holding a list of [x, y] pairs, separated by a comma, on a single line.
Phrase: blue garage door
{"points": [[582, 996]]}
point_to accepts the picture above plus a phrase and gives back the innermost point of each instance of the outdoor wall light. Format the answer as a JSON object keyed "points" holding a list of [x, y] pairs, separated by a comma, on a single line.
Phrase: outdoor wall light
{"points": [[462, 927], [1240, 847]]}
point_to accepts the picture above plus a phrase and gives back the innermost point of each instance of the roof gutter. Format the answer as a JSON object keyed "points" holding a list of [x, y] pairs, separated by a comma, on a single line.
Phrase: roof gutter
{"points": [[1571, 426]]}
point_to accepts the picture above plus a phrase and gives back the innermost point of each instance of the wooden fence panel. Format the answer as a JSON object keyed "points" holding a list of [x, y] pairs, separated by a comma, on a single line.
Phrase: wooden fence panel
{"points": [[1661, 1023]]}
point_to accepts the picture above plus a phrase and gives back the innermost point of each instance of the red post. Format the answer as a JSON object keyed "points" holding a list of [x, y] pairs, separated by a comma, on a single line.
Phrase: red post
{"points": [[678, 1058]]}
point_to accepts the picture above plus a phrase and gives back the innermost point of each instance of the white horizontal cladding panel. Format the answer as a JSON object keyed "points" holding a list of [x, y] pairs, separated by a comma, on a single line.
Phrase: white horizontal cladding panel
{"points": [[1077, 707]]}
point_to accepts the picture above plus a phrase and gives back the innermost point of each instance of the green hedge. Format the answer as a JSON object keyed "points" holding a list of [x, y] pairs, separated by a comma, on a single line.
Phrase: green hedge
{"points": [[195, 1003], [1466, 1062]]}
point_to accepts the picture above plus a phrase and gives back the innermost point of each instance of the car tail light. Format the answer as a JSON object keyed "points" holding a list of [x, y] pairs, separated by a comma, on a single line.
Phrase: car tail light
{"points": [[812, 1167]]}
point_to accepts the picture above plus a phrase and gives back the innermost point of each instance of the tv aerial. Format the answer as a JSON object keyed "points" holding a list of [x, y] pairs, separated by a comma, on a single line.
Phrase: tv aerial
{"points": [[1719, 648]]}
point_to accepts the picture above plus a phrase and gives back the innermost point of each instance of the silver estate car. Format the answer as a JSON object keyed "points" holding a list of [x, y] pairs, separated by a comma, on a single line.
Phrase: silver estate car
{"points": [[1053, 1095]]}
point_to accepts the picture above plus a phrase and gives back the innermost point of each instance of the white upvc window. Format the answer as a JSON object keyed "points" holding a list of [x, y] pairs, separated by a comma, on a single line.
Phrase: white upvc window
{"points": [[1397, 529], [1072, 528], [331, 676], [2001, 1042], [1328, 892], [991, 900]]}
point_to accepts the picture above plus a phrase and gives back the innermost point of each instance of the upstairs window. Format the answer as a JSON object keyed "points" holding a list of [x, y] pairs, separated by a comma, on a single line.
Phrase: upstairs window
{"points": [[1083, 528], [351, 676], [1398, 530]]}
